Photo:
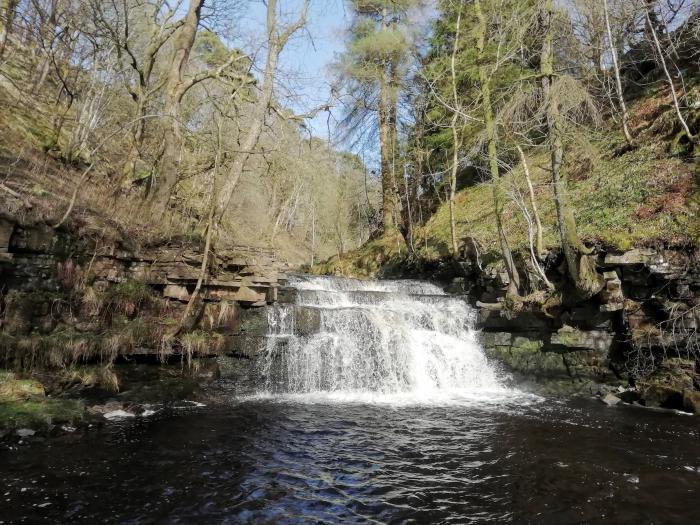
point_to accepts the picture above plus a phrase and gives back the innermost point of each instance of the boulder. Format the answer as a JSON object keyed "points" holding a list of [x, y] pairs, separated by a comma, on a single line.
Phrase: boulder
{"points": [[176, 291]]}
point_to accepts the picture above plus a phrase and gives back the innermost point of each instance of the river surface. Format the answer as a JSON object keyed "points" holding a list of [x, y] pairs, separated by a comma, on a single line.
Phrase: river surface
{"points": [[313, 461], [375, 404]]}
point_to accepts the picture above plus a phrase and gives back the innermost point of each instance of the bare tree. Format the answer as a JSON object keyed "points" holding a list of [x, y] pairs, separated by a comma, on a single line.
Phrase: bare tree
{"points": [[616, 70], [277, 39], [652, 25]]}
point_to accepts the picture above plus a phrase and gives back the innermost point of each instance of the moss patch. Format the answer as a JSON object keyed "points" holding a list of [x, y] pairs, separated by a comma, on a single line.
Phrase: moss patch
{"points": [[39, 413]]}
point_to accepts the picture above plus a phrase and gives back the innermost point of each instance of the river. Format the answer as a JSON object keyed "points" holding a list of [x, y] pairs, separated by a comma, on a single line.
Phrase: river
{"points": [[386, 412]]}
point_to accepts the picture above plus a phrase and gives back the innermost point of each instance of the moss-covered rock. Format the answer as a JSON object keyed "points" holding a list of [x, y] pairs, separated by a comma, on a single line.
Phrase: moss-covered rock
{"points": [[38, 413]]}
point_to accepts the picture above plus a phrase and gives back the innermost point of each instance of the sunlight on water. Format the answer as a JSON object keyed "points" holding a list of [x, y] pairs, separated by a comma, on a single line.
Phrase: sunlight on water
{"points": [[395, 342]]}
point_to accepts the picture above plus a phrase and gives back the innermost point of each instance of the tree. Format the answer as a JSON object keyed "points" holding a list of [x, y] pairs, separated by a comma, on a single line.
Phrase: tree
{"points": [[376, 54], [486, 70], [580, 266], [277, 39], [616, 70], [177, 85]]}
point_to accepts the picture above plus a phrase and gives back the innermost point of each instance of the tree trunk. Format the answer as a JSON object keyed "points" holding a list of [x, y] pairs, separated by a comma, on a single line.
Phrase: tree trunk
{"points": [[387, 117], [580, 266], [385, 147], [539, 243], [456, 138], [7, 14], [170, 162], [616, 70], [490, 123], [669, 78]]}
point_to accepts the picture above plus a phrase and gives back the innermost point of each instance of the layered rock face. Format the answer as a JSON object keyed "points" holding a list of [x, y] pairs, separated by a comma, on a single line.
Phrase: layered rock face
{"points": [[641, 330], [70, 300]]}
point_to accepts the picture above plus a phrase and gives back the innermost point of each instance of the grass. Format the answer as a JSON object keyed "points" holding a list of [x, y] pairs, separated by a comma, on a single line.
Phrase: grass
{"points": [[127, 297]]}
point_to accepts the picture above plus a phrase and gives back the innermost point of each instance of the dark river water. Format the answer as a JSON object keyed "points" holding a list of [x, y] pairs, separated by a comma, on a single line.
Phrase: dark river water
{"points": [[288, 461]]}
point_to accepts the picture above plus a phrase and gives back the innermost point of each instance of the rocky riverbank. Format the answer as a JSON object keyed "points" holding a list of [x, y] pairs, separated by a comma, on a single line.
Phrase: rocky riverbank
{"points": [[636, 340], [84, 321]]}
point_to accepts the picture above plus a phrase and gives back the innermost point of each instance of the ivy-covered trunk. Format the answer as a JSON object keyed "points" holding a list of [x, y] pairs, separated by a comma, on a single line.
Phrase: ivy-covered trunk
{"points": [[580, 265], [492, 147]]}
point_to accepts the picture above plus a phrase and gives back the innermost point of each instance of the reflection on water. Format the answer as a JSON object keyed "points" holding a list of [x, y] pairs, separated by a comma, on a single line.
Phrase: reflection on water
{"points": [[284, 461]]}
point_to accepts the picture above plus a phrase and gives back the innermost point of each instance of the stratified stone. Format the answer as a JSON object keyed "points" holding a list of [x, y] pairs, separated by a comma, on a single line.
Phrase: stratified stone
{"points": [[569, 337], [307, 320], [637, 256]]}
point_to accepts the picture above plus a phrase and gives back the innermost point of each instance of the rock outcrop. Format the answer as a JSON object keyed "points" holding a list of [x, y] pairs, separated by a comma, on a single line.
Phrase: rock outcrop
{"points": [[69, 300], [642, 329]]}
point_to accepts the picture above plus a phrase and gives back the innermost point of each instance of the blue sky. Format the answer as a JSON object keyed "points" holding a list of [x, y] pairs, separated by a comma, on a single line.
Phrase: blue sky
{"points": [[304, 65]]}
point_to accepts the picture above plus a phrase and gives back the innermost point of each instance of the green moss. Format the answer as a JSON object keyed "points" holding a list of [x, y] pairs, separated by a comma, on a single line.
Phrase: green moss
{"points": [[12, 389], [40, 413], [525, 356]]}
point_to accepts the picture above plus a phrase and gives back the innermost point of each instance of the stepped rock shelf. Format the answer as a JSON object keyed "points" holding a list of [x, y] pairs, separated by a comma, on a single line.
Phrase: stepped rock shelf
{"points": [[57, 285]]}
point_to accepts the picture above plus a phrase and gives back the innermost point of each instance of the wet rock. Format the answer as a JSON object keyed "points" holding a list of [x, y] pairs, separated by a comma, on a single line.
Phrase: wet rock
{"points": [[502, 321], [244, 345], [253, 321], [306, 320], [630, 396], [610, 399], [492, 339], [666, 386], [25, 432], [110, 406], [526, 356]]}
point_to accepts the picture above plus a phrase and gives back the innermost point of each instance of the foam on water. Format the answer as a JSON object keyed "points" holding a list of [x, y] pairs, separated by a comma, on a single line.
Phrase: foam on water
{"points": [[392, 342]]}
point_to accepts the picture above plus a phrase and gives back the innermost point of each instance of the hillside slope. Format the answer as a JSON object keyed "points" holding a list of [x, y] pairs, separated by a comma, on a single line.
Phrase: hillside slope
{"points": [[646, 196]]}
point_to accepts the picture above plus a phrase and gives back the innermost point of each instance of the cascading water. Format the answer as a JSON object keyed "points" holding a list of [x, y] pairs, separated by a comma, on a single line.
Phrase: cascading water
{"points": [[347, 337]]}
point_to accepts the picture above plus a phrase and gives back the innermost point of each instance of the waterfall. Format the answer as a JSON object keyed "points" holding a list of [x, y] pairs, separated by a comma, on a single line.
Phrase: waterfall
{"points": [[349, 337]]}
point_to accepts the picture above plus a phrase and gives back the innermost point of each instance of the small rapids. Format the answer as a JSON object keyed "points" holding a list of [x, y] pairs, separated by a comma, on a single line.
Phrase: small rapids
{"points": [[394, 341]]}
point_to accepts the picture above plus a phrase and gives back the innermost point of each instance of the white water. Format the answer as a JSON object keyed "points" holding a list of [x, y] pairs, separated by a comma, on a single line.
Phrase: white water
{"points": [[376, 341]]}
